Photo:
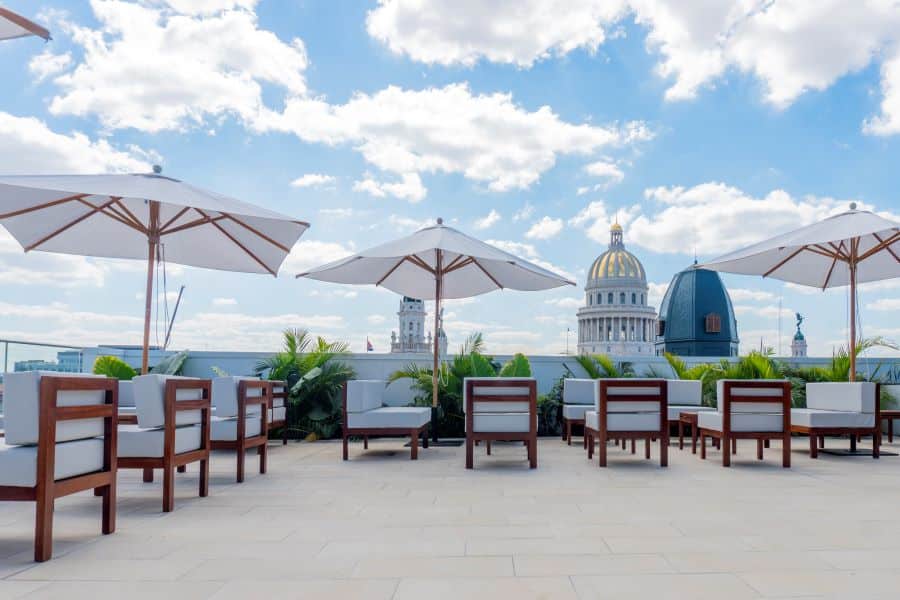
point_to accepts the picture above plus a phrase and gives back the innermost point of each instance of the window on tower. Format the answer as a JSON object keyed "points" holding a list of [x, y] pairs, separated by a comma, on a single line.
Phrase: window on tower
{"points": [[713, 323], [609, 298], [633, 298], [622, 298]]}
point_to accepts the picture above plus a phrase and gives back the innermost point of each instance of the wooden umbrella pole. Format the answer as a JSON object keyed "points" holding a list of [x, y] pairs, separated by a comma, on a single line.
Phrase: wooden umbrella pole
{"points": [[852, 267], [152, 243], [438, 281]]}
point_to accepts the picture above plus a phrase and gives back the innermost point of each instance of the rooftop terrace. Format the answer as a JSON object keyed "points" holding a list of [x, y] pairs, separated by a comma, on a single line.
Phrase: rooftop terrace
{"points": [[382, 526]]}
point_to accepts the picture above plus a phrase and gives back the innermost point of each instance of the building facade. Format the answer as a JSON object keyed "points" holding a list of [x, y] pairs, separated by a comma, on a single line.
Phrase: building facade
{"points": [[411, 337], [616, 318], [696, 317], [798, 344]]}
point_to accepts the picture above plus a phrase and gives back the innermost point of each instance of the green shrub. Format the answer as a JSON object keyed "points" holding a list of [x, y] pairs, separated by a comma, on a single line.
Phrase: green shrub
{"points": [[114, 367]]}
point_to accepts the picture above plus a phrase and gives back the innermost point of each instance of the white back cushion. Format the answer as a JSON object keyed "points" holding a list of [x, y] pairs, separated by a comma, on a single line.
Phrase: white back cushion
{"points": [[364, 394], [21, 404], [278, 388], [894, 391], [225, 396], [150, 400], [750, 407], [617, 397], [401, 392], [126, 394], [497, 406], [858, 396], [684, 392], [580, 391]]}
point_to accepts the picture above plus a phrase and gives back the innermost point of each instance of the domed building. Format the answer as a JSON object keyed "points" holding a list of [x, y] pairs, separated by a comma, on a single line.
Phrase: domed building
{"points": [[616, 318], [696, 317]]}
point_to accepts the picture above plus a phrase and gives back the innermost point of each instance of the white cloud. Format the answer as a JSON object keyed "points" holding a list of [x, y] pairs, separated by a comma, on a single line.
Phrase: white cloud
{"points": [[307, 254], [376, 319], [338, 213], [407, 224], [529, 253], [607, 170], [156, 68], [488, 221], [656, 293], [408, 188], [567, 303], [30, 146], [596, 220], [743, 295], [791, 46], [524, 213], [224, 302], [313, 180], [545, 229], [891, 304], [766, 312], [46, 64], [487, 138]]}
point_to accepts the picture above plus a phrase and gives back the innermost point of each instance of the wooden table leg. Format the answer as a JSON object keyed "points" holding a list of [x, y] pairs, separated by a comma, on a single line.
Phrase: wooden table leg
{"points": [[680, 434]]}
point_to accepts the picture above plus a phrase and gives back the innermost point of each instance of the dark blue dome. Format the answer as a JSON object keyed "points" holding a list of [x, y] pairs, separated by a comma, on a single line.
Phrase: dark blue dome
{"points": [[696, 317]]}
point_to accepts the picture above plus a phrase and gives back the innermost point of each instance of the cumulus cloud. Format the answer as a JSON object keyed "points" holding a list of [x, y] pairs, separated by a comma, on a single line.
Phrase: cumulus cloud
{"points": [[408, 188], [888, 304], [46, 64], [544, 229], [307, 254], [224, 302], [529, 253], [313, 180], [744, 295], [791, 46], [488, 221], [174, 65], [567, 303], [487, 138], [606, 170]]}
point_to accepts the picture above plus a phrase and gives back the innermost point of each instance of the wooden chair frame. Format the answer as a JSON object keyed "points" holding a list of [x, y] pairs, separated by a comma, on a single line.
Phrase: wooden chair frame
{"points": [[567, 430], [727, 439], [282, 423], [243, 442], [169, 461], [365, 432], [47, 488], [602, 435], [529, 438], [819, 433]]}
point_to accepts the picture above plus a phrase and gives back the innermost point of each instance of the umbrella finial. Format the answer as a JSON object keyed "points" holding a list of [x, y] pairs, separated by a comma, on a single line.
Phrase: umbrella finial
{"points": [[440, 221], [157, 169], [853, 206]]}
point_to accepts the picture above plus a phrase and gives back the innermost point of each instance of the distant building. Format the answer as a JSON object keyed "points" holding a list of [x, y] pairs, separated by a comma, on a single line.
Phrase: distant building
{"points": [[798, 344], [696, 317], [411, 338], [616, 318]]}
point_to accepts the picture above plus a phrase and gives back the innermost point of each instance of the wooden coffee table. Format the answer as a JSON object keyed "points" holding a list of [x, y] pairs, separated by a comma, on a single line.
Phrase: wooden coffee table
{"points": [[687, 418], [889, 416]]}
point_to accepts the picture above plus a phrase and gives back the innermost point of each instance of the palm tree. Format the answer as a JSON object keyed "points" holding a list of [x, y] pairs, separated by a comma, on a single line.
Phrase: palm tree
{"points": [[601, 366]]}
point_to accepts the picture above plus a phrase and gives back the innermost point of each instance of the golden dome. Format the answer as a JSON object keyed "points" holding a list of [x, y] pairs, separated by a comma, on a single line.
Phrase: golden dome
{"points": [[615, 227], [617, 261]]}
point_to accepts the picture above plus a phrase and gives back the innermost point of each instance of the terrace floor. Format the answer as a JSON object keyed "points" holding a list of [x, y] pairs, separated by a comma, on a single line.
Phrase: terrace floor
{"points": [[382, 526]]}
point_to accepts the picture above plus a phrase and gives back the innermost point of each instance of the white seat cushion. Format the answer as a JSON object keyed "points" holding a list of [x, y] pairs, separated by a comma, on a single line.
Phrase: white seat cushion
{"points": [[225, 430], [644, 421], [811, 417], [364, 395], [225, 396], [390, 417], [277, 414], [575, 411], [150, 395], [21, 404], [135, 442], [858, 396], [742, 422], [675, 411], [18, 464], [516, 422]]}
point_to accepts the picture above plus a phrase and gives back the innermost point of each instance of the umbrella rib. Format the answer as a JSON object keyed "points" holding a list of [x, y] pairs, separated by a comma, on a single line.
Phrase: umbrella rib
{"points": [[468, 261], [452, 264], [50, 204], [781, 264], [195, 223], [131, 215], [173, 219], [69, 225], [237, 243], [882, 245], [389, 273], [259, 233], [420, 263], [830, 271], [111, 213], [24, 23], [483, 270]]}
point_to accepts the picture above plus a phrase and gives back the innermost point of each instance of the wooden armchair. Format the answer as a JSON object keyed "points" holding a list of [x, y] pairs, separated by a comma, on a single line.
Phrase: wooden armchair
{"points": [[173, 430], [278, 409], [632, 409], [242, 420], [500, 409], [60, 440]]}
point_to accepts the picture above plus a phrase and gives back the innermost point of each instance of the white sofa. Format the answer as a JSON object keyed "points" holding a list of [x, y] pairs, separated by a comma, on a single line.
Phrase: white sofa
{"points": [[629, 409], [500, 409], [685, 395], [839, 408], [241, 405], [748, 409], [365, 415], [40, 432], [579, 396], [172, 430]]}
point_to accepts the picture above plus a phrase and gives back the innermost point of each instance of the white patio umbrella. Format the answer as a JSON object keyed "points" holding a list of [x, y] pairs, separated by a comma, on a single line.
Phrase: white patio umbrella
{"points": [[13, 26], [853, 247], [144, 216], [437, 263]]}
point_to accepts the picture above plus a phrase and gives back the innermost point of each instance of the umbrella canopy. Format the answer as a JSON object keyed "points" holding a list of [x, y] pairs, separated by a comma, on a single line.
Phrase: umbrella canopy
{"points": [[13, 26], [437, 263], [142, 216], [853, 247]]}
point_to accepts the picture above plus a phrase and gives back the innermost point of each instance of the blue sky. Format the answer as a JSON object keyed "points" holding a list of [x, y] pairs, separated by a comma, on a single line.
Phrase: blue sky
{"points": [[702, 128]]}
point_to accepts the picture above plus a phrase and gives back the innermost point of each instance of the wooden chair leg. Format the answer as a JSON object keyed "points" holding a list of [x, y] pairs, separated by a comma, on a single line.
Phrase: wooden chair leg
{"points": [[346, 450], [43, 529], [98, 492], [734, 445], [182, 468], [664, 450], [702, 447], [566, 430], [759, 449], [425, 437], [680, 435], [470, 452], [365, 442], [241, 458], [813, 446], [204, 478], [601, 452], [786, 450], [821, 441], [168, 488], [263, 451], [569, 432], [532, 451], [148, 475], [589, 441], [876, 444], [852, 442], [693, 439], [487, 446], [414, 445], [633, 446], [767, 443], [109, 509], [726, 452], [647, 448], [284, 432], [584, 437]]}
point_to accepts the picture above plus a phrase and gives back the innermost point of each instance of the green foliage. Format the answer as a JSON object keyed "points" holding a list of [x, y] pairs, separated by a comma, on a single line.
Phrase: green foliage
{"points": [[315, 375], [470, 361], [171, 365], [218, 372], [114, 367], [549, 407], [601, 366]]}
